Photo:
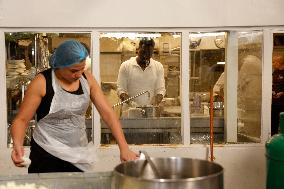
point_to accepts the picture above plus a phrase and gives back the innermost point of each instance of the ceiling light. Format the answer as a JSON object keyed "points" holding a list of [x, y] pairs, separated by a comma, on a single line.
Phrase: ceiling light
{"points": [[130, 35]]}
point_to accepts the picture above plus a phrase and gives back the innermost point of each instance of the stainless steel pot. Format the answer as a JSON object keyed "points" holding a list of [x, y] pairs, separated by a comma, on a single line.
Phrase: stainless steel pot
{"points": [[174, 172], [150, 111]]}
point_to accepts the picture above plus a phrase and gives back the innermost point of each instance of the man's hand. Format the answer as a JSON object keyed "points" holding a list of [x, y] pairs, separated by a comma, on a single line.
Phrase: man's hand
{"points": [[158, 99], [123, 96]]}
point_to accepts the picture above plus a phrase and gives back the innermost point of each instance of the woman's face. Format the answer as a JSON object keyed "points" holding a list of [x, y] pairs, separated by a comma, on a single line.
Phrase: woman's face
{"points": [[72, 73]]}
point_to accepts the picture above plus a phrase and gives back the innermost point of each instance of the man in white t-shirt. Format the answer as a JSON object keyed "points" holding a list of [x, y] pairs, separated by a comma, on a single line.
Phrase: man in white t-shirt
{"points": [[142, 73]]}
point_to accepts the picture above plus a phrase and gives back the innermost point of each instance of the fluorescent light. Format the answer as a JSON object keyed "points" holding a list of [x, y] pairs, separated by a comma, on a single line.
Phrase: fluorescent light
{"points": [[221, 62], [176, 36], [207, 34], [130, 35]]}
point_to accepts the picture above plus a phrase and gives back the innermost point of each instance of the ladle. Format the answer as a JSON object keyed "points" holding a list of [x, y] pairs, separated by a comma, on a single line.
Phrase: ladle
{"points": [[151, 163], [130, 98]]}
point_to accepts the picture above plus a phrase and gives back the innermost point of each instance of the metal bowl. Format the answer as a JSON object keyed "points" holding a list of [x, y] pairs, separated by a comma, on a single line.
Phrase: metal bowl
{"points": [[174, 172]]}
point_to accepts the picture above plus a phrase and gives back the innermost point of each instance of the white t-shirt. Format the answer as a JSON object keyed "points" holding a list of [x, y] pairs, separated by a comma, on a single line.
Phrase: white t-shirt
{"points": [[132, 79]]}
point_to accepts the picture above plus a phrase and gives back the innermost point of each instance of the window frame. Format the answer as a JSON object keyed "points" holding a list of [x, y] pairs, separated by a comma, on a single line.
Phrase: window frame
{"points": [[185, 119]]}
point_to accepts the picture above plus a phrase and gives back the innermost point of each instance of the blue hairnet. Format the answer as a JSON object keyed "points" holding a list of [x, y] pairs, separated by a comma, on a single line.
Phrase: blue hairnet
{"points": [[68, 53]]}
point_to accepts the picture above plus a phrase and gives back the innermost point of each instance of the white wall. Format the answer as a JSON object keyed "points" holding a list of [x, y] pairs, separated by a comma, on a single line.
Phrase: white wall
{"points": [[146, 13], [244, 165]]}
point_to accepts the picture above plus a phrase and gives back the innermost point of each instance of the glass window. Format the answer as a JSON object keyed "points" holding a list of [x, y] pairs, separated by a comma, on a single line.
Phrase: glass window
{"points": [[277, 81], [207, 66], [27, 53], [153, 122], [249, 86], [145, 119]]}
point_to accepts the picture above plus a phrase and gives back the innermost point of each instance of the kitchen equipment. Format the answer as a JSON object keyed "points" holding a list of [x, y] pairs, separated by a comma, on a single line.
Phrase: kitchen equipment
{"points": [[218, 108], [152, 165], [150, 111], [274, 158], [174, 172], [218, 105], [131, 98], [135, 113]]}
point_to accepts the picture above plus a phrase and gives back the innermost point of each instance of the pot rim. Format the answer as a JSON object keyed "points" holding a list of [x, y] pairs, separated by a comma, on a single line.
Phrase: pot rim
{"points": [[163, 180]]}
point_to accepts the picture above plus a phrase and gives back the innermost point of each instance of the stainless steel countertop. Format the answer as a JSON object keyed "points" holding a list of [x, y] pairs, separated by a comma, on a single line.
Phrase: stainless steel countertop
{"points": [[164, 122], [99, 180], [197, 124]]}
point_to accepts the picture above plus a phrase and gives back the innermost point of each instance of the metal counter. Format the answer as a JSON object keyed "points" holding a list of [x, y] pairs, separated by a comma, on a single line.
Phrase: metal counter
{"points": [[162, 124], [163, 130], [98, 180]]}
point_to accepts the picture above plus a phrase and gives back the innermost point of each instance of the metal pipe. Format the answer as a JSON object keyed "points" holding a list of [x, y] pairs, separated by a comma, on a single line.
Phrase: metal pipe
{"points": [[130, 98], [211, 124], [35, 53]]}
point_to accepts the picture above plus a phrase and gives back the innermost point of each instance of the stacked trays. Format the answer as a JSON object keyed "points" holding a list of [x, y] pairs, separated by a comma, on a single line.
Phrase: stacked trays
{"points": [[15, 69]]}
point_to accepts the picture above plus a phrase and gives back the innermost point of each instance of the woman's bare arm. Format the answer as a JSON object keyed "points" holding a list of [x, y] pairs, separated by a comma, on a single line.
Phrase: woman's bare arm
{"points": [[31, 101], [110, 118]]}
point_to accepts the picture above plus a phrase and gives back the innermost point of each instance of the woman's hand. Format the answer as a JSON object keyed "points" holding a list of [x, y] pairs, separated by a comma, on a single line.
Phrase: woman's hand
{"points": [[17, 156], [128, 155]]}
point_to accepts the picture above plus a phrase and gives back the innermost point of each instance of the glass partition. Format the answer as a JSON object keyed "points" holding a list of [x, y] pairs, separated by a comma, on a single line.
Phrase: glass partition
{"points": [[27, 53], [249, 85], [207, 73], [148, 123], [207, 66], [277, 104]]}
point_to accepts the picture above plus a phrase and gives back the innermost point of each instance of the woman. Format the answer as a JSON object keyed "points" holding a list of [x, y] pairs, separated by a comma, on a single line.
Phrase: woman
{"points": [[60, 97]]}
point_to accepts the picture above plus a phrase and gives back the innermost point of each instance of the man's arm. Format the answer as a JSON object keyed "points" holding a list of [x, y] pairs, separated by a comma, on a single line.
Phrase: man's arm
{"points": [[160, 85], [219, 85], [122, 82]]}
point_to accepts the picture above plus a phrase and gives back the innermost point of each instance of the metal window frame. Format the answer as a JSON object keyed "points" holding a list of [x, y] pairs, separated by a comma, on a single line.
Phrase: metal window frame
{"points": [[266, 78]]}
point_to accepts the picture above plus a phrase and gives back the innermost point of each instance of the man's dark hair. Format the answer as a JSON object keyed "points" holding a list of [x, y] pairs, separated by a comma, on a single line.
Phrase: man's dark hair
{"points": [[147, 42]]}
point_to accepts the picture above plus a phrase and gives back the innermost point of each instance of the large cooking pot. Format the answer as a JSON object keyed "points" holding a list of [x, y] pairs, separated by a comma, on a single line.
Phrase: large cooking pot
{"points": [[174, 172]]}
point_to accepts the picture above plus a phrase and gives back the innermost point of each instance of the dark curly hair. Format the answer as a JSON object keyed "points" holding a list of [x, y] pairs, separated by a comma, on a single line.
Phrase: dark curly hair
{"points": [[147, 42]]}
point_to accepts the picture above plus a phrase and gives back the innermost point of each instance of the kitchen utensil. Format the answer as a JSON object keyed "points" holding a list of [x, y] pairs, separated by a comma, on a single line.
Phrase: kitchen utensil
{"points": [[175, 172], [152, 165], [131, 98], [150, 111]]}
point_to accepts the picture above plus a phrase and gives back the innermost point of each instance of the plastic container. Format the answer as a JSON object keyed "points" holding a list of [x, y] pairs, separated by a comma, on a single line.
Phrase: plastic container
{"points": [[275, 159]]}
